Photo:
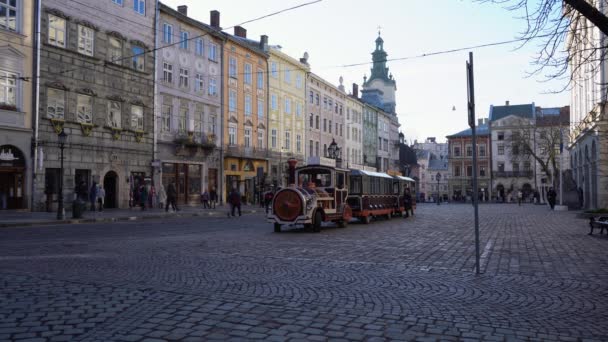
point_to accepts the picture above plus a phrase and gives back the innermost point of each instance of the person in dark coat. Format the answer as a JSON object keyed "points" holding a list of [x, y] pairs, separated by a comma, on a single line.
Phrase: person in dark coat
{"points": [[212, 197], [581, 199], [551, 196], [93, 196], [235, 201], [143, 196], [268, 199], [171, 197], [407, 203]]}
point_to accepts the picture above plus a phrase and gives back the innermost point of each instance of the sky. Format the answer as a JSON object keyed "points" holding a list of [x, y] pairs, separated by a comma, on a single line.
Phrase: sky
{"points": [[336, 33]]}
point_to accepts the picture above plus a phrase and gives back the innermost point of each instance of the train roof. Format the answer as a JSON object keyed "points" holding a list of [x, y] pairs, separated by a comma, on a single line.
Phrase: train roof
{"points": [[408, 179], [369, 173]]}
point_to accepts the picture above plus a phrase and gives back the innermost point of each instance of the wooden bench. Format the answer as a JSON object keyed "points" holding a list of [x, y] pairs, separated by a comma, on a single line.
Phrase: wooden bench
{"points": [[600, 223]]}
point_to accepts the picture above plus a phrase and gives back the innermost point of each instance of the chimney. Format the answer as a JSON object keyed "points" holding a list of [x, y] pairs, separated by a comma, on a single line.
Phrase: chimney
{"points": [[292, 162], [264, 43], [506, 103], [240, 31], [355, 90], [183, 9], [215, 19]]}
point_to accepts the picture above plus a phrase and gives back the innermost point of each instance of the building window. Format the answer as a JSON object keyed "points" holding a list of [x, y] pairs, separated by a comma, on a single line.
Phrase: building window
{"points": [[317, 122], [118, 2], [198, 123], [167, 33], [183, 43], [311, 95], [482, 150], [516, 167], [115, 49], [183, 78], [167, 73], [287, 140], [299, 143], [247, 137], [212, 124], [501, 167], [137, 118], [330, 127], [310, 148], [232, 135], [55, 107], [248, 74], [273, 102], [56, 31], [8, 15], [274, 70], [8, 88], [199, 84], [527, 166], [84, 105], [232, 100], [213, 52], [317, 99], [260, 108], [501, 150], [298, 109], [515, 149], [114, 114], [260, 138], [248, 105], [456, 171], [299, 81], [138, 58], [456, 151], [232, 67], [312, 120], [317, 148], [86, 39], [212, 86], [166, 118], [287, 106], [482, 171], [199, 47], [182, 120], [469, 151], [260, 79], [500, 136], [325, 125], [469, 170], [139, 6], [287, 74], [273, 138]]}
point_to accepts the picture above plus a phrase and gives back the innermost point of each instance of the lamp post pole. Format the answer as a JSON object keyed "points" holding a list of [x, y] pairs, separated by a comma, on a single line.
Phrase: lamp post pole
{"points": [[60, 210], [438, 179]]}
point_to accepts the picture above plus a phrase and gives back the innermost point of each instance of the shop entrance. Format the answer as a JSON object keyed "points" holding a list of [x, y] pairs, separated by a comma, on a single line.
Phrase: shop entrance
{"points": [[187, 178], [12, 178], [110, 185]]}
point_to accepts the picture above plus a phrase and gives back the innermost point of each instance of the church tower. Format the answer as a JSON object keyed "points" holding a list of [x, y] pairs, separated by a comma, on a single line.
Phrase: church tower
{"points": [[379, 90]]}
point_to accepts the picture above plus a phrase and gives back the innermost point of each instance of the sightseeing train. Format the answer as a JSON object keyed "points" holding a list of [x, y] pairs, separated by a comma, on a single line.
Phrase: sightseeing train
{"points": [[322, 193]]}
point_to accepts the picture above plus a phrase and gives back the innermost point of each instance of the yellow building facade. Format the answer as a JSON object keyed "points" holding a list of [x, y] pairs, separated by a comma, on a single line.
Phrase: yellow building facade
{"points": [[286, 119], [244, 114]]}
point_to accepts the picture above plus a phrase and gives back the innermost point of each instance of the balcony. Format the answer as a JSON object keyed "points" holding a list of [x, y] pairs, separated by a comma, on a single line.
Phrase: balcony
{"points": [[513, 174], [240, 151]]}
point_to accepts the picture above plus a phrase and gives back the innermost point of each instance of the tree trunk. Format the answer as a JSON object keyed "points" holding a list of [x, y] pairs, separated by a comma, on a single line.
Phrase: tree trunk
{"points": [[598, 18]]}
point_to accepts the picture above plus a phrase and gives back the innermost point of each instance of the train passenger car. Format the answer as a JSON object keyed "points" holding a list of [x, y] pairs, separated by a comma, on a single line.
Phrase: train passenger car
{"points": [[373, 194], [320, 196], [401, 183]]}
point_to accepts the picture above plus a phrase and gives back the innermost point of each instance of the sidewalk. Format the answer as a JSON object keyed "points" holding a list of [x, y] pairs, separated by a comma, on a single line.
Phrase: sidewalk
{"points": [[9, 218]]}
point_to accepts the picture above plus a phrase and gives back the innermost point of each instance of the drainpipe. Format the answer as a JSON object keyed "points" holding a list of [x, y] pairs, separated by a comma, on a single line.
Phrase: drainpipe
{"points": [[221, 166], [155, 96], [35, 97]]}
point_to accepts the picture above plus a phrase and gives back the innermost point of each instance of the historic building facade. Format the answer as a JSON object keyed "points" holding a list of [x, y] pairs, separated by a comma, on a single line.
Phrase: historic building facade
{"points": [[326, 117], [460, 164], [370, 136], [287, 116], [589, 124], [16, 113], [96, 83], [245, 122], [354, 130], [189, 75]]}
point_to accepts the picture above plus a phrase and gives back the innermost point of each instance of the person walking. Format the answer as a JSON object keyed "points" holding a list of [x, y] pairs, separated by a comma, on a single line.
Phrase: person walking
{"points": [[407, 203], [268, 199], [101, 196], [235, 201], [213, 197], [93, 196], [520, 197], [143, 197], [551, 195], [205, 199], [171, 197], [581, 198], [162, 196]]}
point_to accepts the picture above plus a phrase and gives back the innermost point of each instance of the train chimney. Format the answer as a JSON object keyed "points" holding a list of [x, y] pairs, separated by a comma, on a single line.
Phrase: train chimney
{"points": [[292, 170]]}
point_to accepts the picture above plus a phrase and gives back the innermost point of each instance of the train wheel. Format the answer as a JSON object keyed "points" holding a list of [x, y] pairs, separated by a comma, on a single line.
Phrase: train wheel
{"points": [[316, 222], [367, 219], [277, 227]]}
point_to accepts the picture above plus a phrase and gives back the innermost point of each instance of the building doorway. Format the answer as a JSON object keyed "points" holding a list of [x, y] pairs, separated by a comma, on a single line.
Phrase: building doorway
{"points": [[12, 178], [110, 185]]}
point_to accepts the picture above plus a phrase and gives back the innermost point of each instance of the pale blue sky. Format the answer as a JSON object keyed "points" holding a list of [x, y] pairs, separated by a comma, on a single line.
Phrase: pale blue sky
{"points": [[339, 32]]}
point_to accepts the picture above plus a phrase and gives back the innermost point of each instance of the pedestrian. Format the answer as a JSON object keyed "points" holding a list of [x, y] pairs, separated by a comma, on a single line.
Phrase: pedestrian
{"points": [[235, 201], [93, 196], [171, 197], [268, 199], [551, 195], [205, 199], [407, 203], [143, 197], [581, 199], [213, 197], [101, 196], [162, 196], [520, 197]]}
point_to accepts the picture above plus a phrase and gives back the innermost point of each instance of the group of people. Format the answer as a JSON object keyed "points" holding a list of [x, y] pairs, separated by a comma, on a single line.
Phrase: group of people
{"points": [[95, 195], [209, 199]]}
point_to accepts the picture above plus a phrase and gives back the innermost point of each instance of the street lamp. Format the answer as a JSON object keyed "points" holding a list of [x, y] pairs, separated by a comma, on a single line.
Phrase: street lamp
{"points": [[438, 179], [333, 149], [60, 211]]}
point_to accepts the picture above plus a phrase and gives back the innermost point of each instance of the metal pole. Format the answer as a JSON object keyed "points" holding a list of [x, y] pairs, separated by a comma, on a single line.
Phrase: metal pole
{"points": [[561, 167], [60, 210], [471, 106]]}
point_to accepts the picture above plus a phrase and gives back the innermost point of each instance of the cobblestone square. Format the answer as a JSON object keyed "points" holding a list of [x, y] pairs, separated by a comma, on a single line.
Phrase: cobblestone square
{"points": [[217, 278]]}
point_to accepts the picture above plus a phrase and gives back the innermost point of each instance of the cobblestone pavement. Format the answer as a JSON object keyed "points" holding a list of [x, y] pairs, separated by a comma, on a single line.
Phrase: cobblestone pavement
{"points": [[233, 279]]}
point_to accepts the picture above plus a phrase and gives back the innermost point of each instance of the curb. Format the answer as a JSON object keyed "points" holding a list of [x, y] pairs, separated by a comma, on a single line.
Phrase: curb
{"points": [[123, 218]]}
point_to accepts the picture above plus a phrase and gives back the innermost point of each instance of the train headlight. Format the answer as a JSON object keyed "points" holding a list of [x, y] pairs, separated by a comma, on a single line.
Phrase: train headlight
{"points": [[309, 204]]}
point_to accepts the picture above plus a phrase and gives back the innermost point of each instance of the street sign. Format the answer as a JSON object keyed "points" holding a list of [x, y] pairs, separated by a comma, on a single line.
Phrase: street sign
{"points": [[470, 92]]}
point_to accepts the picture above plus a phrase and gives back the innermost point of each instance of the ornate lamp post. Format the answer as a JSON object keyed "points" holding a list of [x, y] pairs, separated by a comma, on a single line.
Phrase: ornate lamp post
{"points": [[62, 137], [333, 149], [438, 179]]}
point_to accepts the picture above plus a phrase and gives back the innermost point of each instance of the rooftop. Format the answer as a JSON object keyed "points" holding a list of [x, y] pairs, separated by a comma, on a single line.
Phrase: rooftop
{"points": [[523, 110]]}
